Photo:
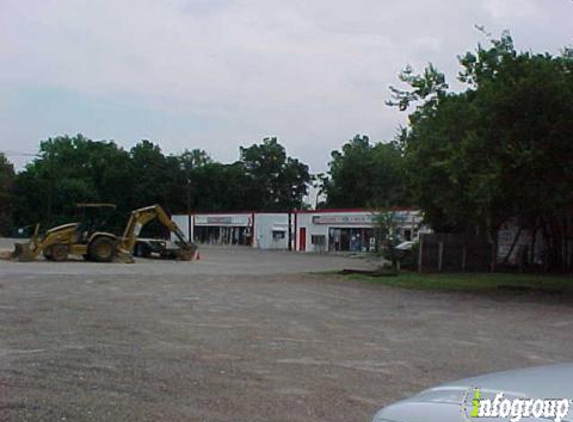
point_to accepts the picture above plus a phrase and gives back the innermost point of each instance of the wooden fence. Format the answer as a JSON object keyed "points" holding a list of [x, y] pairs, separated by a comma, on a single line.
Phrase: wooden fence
{"points": [[452, 252]]}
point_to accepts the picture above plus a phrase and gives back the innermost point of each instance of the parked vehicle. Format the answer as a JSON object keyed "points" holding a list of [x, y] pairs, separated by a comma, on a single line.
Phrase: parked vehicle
{"points": [[455, 401]]}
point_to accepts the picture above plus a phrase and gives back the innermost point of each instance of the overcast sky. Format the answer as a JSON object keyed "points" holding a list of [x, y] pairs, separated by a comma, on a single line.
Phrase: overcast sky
{"points": [[217, 74]]}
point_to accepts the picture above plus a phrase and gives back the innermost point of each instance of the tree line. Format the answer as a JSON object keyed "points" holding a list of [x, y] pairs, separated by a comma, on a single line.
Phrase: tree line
{"points": [[75, 169], [499, 148], [71, 170]]}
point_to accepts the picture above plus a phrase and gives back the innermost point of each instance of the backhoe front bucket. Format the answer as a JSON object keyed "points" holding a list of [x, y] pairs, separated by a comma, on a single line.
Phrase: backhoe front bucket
{"points": [[124, 256], [23, 252], [185, 252]]}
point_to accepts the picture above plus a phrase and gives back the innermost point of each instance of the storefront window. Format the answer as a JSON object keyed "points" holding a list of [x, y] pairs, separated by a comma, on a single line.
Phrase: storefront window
{"points": [[351, 239], [216, 235], [278, 235]]}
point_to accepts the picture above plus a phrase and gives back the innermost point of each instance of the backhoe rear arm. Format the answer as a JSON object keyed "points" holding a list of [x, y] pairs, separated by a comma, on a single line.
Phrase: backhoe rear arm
{"points": [[140, 218]]}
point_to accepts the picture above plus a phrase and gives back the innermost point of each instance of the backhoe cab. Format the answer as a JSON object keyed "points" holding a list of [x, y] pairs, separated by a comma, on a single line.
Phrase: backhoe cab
{"points": [[85, 238]]}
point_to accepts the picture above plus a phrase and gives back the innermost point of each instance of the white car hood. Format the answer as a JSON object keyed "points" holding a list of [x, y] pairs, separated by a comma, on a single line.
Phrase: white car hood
{"points": [[445, 403]]}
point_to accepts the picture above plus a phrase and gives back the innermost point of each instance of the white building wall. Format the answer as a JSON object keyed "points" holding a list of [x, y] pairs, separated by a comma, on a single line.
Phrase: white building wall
{"points": [[182, 222], [271, 231], [319, 223], [267, 227]]}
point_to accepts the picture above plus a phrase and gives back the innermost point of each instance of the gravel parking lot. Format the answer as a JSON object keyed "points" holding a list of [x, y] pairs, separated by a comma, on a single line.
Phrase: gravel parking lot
{"points": [[246, 335]]}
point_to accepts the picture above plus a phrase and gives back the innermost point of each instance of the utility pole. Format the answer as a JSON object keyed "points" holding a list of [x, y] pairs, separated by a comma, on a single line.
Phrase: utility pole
{"points": [[189, 210], [290, 230]]}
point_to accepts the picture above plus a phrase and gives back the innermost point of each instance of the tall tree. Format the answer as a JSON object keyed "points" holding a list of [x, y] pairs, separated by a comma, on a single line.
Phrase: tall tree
{"points": [[277, 181], [501, 148], [364, 174], [155, 173], [70, 170]]}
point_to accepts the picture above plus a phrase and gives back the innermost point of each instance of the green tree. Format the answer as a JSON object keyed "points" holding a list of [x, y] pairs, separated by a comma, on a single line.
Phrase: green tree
{"points": [[191, 159], [6, 195], [279, 182], [154, 172], [499, 149], [363, 174], [219, 187], [186, 178], [70, 170]]}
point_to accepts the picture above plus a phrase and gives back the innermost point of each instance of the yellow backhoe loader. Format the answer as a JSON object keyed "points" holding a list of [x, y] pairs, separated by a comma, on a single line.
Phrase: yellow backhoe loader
{"points": [[82, 238], [85, 238]]}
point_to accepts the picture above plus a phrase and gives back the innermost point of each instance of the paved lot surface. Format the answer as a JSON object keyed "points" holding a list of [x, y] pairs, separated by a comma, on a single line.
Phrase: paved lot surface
{"points": [[247, 336]]}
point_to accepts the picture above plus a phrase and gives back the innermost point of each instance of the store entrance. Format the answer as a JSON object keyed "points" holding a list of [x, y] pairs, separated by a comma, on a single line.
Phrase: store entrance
{"points": [[351, 239], [217, 235]]}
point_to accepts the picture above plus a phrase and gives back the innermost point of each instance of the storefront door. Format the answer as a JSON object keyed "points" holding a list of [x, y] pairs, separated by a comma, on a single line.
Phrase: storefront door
{"points": [[302, 239]]}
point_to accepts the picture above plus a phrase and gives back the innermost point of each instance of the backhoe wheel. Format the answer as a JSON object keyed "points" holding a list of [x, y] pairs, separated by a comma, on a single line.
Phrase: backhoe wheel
{"points": [[102, 249], [59, 252]]}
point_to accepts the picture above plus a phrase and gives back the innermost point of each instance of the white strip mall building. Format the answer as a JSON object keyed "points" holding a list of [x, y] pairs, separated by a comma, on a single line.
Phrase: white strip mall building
{"points": [[319, 231]]}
